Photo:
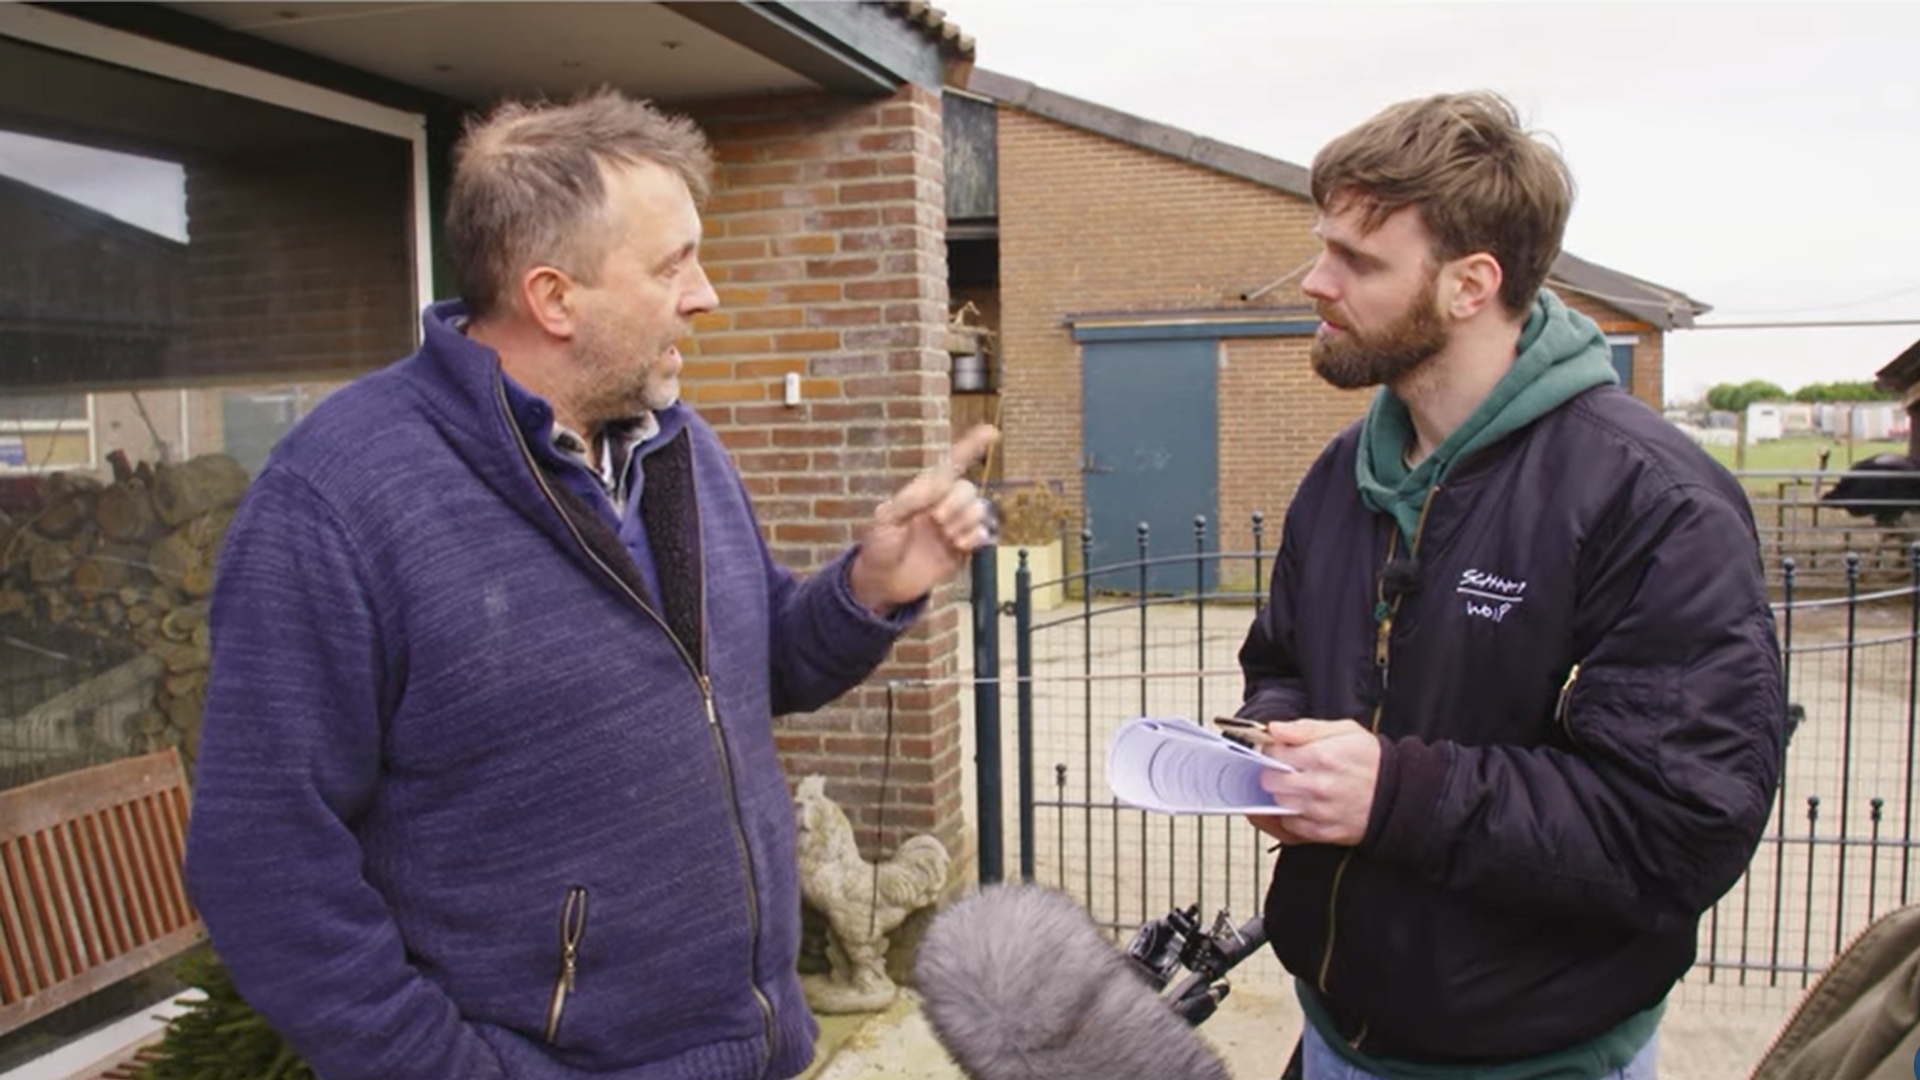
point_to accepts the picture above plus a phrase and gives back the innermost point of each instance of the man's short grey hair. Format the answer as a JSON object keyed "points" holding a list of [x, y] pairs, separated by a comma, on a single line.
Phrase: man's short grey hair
{"points": [[529, 186]]}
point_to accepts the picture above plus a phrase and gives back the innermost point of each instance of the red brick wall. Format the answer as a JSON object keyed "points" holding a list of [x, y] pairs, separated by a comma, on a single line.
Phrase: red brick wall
{"points": [[825, 241], [1090, 224], [1276, 416]]}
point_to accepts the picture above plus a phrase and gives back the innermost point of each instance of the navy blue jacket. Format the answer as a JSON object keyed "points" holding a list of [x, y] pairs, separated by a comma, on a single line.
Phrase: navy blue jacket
{"points": [[1538, 854], [470, 802]]}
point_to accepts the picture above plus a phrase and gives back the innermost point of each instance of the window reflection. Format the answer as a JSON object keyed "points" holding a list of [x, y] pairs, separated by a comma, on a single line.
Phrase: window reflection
{"points": [[139, 191], [184, 274]]}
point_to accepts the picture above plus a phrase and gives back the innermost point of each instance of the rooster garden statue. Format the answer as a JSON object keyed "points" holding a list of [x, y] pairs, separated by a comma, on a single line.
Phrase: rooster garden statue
{"points": [[863, 902]]}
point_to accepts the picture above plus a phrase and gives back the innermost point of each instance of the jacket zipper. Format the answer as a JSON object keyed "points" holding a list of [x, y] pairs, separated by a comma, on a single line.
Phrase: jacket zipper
{"points": [[573, 927], [1382, 649], [733, 803], [746, 865], [1815, 997], [698, 670], [1562, 708]]}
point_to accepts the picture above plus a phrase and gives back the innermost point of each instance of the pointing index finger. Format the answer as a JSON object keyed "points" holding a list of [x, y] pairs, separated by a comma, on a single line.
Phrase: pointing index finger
{"points": [[931, 486], [968, 450]]}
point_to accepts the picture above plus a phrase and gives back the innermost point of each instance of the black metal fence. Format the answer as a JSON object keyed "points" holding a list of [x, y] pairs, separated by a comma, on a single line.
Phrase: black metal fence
{"points": [[1838, 852]]}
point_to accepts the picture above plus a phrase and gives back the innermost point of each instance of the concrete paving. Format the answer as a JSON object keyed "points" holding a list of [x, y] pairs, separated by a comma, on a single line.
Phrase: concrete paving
{"points": [[1256, 1027]]}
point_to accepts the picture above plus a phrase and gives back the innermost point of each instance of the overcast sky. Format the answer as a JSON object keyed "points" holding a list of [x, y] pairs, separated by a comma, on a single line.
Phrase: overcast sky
{"points": [[1764, 158]]}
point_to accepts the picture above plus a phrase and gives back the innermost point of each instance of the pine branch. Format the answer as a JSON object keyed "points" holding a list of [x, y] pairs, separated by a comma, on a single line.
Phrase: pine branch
{"points": [[221, 1037]]}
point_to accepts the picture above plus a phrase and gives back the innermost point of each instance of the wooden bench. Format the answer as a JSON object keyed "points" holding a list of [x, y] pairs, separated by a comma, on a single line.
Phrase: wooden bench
{"points": [[91, 887]]}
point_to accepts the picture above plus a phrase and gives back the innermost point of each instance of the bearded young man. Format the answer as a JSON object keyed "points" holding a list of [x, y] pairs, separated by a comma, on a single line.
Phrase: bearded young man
{"points": [[488, 786], [1518, 644]]}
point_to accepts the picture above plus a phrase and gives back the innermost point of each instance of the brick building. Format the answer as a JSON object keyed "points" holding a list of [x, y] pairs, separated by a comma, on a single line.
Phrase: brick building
{"points": [[1141, 285]]}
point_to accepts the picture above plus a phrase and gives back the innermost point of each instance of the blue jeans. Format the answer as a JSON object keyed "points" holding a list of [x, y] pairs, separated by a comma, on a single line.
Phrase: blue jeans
{"points": [[1321, 1062]]}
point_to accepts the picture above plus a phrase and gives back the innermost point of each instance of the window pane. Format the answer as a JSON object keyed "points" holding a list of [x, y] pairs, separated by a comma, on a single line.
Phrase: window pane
{"points": [[41, 410], [1623, 363], [183, 275]]}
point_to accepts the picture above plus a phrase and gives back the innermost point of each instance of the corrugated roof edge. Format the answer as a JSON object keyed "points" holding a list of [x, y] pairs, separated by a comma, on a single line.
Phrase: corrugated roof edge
{"points": [[932, 22], [1655, 305]]}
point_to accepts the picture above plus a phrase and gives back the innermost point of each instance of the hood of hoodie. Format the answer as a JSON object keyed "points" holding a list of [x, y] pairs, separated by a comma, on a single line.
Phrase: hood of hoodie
{"points": [[1560, 355]]}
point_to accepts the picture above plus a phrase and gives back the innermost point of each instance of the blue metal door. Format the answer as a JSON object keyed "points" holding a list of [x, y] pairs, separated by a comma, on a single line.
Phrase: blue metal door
{"points": [[1151, 455]]}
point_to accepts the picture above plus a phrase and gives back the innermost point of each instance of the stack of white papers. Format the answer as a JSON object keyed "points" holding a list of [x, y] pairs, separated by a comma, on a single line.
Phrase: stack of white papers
{"points": [[1175, 766]]}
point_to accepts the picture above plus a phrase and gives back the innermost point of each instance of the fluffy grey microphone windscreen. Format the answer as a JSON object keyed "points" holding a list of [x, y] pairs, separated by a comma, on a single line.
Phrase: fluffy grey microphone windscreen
{"points": [[1019, 985]]}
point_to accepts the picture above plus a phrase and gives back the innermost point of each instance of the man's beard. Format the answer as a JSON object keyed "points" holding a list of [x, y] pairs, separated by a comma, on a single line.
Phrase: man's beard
{"points": [[622, 385], [1350, 361]]}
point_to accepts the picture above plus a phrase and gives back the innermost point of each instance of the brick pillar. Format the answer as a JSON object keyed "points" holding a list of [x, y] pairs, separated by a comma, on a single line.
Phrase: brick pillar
{"points": [[825, 238]]}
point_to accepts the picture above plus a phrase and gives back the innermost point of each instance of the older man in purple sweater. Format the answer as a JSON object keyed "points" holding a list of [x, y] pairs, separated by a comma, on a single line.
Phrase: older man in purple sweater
{"points": [[488, 786]]}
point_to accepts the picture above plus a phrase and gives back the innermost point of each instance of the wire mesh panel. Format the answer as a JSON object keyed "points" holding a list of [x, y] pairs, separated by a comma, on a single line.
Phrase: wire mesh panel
{"points": [[105, 640], [1840, 848], [67, 701], [1838, 851], [1120, 647]]}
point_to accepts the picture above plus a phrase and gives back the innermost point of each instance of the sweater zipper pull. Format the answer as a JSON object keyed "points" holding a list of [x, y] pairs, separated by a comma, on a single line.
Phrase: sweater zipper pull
{"points": [[1382, 635]]}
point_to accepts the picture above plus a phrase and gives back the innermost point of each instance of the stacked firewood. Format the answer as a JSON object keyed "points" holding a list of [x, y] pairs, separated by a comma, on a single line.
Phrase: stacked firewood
{"points": [[131, 560]]}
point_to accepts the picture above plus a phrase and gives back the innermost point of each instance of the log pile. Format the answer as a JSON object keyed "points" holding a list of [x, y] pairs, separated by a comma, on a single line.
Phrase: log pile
{"points": [[130, 560]]}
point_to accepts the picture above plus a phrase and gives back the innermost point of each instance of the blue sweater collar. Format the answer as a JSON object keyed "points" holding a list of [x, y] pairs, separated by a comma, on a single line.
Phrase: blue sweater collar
{"points": [[471, 372]]}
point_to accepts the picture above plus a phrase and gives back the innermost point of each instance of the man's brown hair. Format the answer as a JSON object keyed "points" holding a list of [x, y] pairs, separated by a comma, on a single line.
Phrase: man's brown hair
{"points": [[528, 187], [1479, 181]]}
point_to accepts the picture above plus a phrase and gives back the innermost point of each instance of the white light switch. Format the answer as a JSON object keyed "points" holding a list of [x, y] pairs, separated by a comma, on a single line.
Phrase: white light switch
{"points": [[793, 388]]}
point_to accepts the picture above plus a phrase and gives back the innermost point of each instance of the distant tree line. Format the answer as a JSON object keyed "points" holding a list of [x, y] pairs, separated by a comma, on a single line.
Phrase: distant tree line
{"points": [[1735, 397]]}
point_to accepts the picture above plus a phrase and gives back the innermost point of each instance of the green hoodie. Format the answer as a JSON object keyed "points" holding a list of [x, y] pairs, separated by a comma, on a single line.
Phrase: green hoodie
{"points": [[1561, 354]]}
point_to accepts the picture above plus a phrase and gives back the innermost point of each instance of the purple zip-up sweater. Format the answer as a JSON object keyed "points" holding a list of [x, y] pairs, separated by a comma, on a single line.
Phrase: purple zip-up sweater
{"points": [[471, 802]]}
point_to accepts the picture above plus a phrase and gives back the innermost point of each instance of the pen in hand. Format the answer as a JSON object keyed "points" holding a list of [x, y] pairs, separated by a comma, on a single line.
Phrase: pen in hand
{"points": [[1249, 733]]}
